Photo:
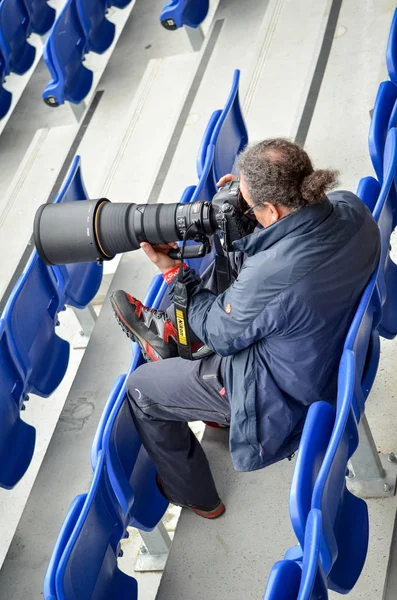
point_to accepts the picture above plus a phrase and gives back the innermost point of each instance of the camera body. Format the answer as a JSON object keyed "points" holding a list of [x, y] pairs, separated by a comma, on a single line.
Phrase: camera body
{"points": [[230, 207]]}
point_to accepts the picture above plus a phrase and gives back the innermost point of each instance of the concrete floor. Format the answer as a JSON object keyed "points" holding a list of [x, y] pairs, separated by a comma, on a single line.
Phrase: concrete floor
{"points": [[276, 45]]}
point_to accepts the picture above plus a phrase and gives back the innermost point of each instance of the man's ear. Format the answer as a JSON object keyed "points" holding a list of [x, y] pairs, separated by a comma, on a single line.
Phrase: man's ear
{"points": [[274, 212]]}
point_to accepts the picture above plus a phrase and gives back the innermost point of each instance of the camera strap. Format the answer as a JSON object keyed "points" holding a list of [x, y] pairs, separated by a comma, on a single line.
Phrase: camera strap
{"points": [[222, 267], [180, 306], [223, 279]]}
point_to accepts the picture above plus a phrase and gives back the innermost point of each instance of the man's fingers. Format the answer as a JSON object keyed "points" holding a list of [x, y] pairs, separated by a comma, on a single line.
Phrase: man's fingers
{"points": [[226, 179], [150, 252]]}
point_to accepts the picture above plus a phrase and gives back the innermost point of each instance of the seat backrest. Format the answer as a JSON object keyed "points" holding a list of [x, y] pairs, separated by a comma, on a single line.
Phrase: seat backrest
{"points": [[5, 95], [384, 110], [344, 516], [368, 190], [68, 526], [78, 282], [205, 142], [391, 50], [131, 472], [97, 443], [152, 298], [15, 27], [177, 13], [98, 30], [363, 340], [284, 581], [31, 316], [203, 192], [63, 54], [87, 567], [41, 15], [17, 438], [230, 134], [313, 582], [314, 442], [383, 215]]}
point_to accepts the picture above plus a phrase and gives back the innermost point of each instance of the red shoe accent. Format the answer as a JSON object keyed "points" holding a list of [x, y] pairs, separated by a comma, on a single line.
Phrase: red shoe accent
{"points": [[153, 355], [210, 515], [138, 305]]}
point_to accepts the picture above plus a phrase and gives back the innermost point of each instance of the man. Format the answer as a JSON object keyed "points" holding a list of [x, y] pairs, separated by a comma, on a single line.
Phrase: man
{"points": [[277, 332]]}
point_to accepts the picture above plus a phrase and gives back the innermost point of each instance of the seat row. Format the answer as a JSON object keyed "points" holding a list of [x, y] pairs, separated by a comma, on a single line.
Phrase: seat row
{"points": [[18, 20], [123, 491], [330, 523], [33, 358], [80, 27]]}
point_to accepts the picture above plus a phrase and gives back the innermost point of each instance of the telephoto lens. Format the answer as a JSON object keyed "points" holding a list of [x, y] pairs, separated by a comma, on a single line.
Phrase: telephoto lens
{"points": [[89, 230]]}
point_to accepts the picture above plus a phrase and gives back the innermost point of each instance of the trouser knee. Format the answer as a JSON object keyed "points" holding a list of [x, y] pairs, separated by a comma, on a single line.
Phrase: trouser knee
{"points": [[136, 386]]}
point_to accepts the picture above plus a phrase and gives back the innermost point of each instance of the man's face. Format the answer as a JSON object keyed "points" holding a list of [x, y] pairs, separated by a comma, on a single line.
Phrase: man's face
{"points": [[265, 215]]}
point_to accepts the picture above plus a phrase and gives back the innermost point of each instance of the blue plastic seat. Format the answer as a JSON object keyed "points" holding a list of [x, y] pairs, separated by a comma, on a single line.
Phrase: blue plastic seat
{"points": [[313, 446], [291, 580], [131, 472], [205, 142], [63, 54], [384, 117], [18, 54], [284, 581], [363, 341], [229, 136], [177, 13], [153, 298], [98, 30], [78, 282], [17, 438], [391, 50], [30, 316], [328, 441], [383, 214], [41, 15], [84, 562], [5, 95], [368, 190], [345, 522], [97, 444]]}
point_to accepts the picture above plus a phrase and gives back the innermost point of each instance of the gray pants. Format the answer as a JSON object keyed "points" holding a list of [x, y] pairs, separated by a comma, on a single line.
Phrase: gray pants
{"points": [[164, 396]]}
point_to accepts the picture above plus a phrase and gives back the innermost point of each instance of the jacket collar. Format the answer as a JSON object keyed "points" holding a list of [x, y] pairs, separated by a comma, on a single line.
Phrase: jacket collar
{"points": [[298, 223]]}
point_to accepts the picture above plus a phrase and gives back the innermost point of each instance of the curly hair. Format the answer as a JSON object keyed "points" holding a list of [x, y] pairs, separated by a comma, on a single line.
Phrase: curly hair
{"points": [[279, 171]]}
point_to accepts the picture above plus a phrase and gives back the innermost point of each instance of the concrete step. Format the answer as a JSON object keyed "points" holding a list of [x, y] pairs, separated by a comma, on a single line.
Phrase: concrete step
{"points": [[30, 187]]}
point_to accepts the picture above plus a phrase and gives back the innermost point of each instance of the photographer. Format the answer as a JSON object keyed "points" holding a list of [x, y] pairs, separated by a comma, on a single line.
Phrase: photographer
{"points": [[276, 333]]}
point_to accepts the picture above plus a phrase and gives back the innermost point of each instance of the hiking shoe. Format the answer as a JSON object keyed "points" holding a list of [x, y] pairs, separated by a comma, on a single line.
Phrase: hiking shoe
{"points": [[150, 328], [206, 513]]}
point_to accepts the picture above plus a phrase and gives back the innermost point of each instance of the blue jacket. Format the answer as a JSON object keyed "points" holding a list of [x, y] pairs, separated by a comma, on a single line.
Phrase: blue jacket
{"points": [[283, 322]]}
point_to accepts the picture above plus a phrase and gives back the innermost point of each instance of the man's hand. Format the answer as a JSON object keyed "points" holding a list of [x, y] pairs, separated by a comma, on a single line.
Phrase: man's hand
{"points": [[226, 178], [159, 255]]}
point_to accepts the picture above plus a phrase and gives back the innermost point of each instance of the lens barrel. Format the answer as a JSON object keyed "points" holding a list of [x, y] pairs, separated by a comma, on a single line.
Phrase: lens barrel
{"points": [[87, 230]]}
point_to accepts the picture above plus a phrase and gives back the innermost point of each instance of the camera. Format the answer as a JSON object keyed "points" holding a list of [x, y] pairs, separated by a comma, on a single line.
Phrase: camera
{"points": [[90, 230]]}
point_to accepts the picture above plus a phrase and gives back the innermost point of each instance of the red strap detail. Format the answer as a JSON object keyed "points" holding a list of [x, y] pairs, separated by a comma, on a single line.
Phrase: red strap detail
{"points": [[222, 392], [168, 276]]}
